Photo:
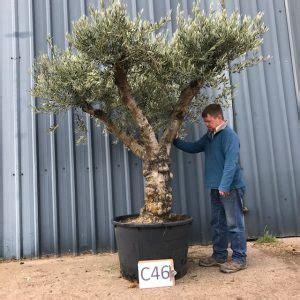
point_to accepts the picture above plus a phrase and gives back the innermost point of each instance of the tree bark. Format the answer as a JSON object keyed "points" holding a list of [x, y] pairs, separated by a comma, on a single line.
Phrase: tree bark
{"points": [[158, 191], [146, 130], [179, 111], [129, 142]]}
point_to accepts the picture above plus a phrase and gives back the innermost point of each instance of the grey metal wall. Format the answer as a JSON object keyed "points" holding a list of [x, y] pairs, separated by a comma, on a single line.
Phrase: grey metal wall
{"points": [[56, 197], [269, 127]]}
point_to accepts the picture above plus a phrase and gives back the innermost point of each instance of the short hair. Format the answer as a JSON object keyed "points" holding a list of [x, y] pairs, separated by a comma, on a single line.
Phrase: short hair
{"points": [[213, 110]]}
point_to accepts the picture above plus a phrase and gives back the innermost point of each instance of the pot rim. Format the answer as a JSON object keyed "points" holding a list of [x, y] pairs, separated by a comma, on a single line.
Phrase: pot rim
{"points": [[116, 222]]}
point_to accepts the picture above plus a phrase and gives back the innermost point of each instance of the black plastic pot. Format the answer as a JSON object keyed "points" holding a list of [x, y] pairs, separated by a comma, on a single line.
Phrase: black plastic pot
{"points": [[151, 241]]}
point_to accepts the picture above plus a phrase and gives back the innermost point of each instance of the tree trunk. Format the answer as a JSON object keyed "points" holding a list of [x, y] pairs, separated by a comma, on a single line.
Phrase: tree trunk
{"points": [[158, 191]]}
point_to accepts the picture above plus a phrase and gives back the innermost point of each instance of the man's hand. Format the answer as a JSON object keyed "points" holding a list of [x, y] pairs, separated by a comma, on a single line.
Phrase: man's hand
{"points": [[223, 194], [177, 135]]}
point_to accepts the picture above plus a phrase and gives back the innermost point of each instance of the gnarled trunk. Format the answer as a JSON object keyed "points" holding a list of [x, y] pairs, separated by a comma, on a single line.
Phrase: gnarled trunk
{"points": [[158, 191]]}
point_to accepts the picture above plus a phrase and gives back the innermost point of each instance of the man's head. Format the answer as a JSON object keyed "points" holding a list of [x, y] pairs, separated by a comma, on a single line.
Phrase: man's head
{"points": [[212, 116]]}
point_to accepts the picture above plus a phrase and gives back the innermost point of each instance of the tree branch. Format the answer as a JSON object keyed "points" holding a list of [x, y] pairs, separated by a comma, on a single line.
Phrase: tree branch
{"points": [[147, 132], [179, 111], [129, 142]]}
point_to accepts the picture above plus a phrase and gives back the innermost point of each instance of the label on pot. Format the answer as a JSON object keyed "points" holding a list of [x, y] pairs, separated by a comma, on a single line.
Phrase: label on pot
{"points": [[156, 273]]}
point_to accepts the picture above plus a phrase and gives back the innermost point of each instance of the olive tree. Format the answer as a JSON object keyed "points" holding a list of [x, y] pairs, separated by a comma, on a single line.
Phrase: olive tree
{"points": [[142, 84]]}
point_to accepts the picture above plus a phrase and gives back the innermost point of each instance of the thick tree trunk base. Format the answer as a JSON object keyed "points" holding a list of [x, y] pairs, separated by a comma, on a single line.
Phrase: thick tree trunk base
{"points": [[158, 192]]}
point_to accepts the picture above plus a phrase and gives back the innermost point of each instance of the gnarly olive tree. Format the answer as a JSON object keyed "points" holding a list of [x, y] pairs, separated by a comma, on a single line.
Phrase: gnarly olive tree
{"points": [[131, 76]]}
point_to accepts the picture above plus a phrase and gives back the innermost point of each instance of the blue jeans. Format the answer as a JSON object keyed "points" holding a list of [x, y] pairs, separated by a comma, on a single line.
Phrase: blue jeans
{"points": [[227, 221]]}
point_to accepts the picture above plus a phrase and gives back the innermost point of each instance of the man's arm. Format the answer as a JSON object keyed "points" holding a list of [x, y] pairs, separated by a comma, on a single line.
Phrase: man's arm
{"points": [[232, 151], [191, 147]]}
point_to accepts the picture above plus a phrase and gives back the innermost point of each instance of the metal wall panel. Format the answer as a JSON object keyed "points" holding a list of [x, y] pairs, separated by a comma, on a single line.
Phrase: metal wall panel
{"points": [[56, 197], [268, 125]]}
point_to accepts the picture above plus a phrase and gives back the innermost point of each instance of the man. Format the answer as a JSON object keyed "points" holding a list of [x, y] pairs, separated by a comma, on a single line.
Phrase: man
{"points": [[224, 178]]}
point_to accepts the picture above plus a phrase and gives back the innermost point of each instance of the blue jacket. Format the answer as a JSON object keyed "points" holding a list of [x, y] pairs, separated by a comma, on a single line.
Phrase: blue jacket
{"points": [[222, 169]]}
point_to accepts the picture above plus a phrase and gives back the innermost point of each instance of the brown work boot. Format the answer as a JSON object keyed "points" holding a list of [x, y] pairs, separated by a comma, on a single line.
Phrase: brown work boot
{"points": [[210, 262], [231, 267]]}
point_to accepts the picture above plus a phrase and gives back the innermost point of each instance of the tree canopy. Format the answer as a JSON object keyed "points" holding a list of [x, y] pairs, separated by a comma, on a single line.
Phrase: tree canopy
{"points": [[136, 78]]}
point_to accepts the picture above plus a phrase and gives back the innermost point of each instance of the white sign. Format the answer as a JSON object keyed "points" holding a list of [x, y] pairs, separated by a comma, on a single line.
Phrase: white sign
{"points": [[156, 273]]}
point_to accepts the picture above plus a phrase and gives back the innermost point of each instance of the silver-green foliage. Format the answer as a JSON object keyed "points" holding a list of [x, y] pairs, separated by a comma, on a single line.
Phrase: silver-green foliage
{"points": [[158, 67]]}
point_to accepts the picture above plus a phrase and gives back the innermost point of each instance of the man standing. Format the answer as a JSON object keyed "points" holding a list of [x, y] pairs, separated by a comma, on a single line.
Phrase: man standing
{"points": [[224, 178]]}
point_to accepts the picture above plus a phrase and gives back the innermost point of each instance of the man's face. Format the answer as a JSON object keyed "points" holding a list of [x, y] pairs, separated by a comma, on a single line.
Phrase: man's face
{"points": [[212, 122]]}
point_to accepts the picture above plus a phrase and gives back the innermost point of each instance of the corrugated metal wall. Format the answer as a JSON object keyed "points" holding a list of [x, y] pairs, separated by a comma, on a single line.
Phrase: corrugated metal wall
{"points": [[56, 197], [269, 128]]}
